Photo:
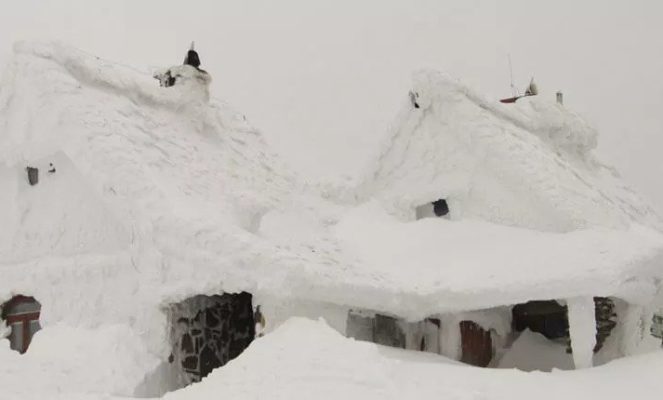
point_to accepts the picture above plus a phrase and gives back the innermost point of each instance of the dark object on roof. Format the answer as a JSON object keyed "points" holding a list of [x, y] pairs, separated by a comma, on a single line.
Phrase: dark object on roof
{"points": [[413, 99], [440, 208], [510, 100], [51, 168], [192, 58], [33, 175], [532, 90]]}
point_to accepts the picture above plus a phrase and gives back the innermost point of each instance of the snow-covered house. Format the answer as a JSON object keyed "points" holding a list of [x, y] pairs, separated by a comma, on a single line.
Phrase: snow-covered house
{"points": [[167, 220], [533, 214]]}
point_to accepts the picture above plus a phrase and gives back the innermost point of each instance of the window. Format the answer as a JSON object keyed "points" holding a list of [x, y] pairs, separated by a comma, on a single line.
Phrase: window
{"points": [[21, 314]]}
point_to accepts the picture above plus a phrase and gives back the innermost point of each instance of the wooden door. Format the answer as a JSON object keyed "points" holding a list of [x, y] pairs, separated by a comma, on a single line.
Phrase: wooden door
{"points": [[477, 344]]}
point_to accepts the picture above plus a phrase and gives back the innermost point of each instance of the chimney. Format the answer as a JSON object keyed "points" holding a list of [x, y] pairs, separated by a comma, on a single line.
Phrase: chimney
{"points": [[560, 98]]}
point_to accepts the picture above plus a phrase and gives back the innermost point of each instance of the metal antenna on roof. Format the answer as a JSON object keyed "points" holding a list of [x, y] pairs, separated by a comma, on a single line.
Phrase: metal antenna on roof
{"points": [[513, 87]]}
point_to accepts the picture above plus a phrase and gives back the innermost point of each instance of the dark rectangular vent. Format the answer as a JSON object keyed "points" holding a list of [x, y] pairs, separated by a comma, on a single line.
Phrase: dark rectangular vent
{"points": [[33, 175], [440, 208]]}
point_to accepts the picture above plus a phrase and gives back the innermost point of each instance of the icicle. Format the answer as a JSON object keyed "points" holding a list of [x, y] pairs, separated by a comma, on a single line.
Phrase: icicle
{"points": [[450, 339], [582, 330]]}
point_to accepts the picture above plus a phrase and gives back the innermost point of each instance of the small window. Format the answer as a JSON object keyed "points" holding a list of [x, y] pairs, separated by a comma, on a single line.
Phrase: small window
{"points": [[21, 314]]}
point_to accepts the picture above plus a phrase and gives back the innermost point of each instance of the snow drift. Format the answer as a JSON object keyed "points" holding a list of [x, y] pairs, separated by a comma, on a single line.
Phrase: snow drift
{"points": [[305, 359]]}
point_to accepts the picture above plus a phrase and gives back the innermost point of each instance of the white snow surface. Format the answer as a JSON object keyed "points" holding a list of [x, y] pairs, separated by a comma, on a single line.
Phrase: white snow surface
{"points": [[550, 355], [162, 193], [305, 359]]}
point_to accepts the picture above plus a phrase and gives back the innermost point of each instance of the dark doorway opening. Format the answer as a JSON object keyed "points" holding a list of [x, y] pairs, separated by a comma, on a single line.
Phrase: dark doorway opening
{"points": [[209, 331], [550, 318], [546, 317]]}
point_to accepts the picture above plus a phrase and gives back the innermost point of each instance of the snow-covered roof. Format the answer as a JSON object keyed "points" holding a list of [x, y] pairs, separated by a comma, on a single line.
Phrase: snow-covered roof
{"points": [[528, 164], [160, 194], [156, 188]]}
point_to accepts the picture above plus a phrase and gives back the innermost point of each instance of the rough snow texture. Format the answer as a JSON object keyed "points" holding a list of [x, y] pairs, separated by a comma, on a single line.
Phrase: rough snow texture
{"points": [[160, 195], [527, 164], [306, 360], [549, 354]]}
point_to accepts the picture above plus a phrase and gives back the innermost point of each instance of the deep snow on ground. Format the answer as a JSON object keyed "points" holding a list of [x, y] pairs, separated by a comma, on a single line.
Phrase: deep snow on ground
{"points": [[550, 355], [161, 194], [306, 359]]}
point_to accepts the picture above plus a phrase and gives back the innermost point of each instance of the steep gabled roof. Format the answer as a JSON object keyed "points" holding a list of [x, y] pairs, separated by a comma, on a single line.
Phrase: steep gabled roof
{"points": [[195, 202], [529, 164]]}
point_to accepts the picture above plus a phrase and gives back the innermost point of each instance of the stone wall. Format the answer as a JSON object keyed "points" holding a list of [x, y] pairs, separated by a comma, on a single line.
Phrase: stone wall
{"points": [[209, 331]]}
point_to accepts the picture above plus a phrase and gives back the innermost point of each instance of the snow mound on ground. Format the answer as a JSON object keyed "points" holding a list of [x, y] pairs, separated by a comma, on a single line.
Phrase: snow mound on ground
{"points": [[310, 353], [71, 360], [527, 164], [550, 354], [305, 359]]}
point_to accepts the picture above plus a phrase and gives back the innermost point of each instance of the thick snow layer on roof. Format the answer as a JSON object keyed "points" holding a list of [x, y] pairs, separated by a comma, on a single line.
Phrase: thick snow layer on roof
{"points": [[308, 360], [528, 164], [138, 167], [159, 189], [477, 264], [418, 268]]}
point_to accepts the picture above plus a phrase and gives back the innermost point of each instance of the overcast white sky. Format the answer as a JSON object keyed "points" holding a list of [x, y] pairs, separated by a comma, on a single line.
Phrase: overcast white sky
{"points": [[323, 79]]}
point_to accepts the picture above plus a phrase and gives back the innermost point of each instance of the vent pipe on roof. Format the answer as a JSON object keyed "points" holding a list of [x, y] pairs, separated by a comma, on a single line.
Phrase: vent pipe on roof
{"points": [[560, 98]]}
